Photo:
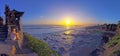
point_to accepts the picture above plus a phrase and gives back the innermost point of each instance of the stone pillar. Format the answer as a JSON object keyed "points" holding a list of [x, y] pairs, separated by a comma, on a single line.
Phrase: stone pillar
{"points": [[20, 32]]}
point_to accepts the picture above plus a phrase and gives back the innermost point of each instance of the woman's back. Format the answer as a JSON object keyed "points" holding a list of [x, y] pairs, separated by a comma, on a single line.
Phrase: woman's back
{"points": [[12, 36]]}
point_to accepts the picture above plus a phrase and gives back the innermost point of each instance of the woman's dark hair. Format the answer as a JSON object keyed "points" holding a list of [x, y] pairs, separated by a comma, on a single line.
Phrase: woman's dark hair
{"points": [[14, 28]]}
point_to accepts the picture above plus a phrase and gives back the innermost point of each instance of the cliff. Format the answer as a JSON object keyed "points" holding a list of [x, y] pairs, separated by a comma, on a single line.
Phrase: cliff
{"points": [[112, 47]]}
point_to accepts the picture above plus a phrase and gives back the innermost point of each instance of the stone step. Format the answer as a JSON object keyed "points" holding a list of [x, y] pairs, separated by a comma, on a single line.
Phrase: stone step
{"points": [[4, 48], [23, 51], [2, 39], [2, 33], [2, 28], [3, 36]]}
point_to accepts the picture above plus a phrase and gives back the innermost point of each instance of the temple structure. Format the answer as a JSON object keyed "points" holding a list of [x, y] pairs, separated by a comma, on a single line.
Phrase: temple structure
{"points": [[13, 19]]}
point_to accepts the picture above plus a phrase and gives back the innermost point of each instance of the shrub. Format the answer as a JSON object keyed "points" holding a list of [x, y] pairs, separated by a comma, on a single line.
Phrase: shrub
{"points": [[116, 53], [113, 41], [39, 46]]}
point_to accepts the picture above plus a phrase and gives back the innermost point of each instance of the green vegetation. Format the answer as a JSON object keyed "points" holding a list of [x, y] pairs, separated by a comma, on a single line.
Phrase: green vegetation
{"points": [[116, 53], [39, 46], [114, 41]]}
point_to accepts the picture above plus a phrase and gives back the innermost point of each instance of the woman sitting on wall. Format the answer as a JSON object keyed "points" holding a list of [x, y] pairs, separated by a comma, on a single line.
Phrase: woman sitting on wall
{"points": [[14, 36]]}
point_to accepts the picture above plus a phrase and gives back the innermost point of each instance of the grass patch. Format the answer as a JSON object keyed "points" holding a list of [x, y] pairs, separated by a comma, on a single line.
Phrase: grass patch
{"points": [[39, 46], [113, 41], [116, 53]]}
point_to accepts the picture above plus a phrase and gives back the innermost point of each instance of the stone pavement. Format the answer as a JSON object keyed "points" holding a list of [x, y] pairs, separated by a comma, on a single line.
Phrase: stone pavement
{"points": [[7, 49]]}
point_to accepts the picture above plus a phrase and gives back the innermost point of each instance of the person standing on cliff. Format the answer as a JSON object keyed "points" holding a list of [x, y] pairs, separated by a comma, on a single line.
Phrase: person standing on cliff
{"points": [[14, 36]]}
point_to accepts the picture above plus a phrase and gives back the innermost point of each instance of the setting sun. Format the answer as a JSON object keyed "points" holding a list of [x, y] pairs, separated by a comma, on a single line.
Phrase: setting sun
{"points": [[67, 22]]}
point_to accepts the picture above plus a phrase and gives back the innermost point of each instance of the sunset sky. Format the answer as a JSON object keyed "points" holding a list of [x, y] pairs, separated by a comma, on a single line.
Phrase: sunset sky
{"points": [[55, 12]]}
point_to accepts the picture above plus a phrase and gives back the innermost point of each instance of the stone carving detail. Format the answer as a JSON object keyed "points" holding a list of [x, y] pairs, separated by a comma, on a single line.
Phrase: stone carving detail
{"points": [[12, 16]]}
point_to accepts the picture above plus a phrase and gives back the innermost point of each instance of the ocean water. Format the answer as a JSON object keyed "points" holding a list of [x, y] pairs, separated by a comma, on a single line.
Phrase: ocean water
{"points": [[66, 40], [38, 30]]}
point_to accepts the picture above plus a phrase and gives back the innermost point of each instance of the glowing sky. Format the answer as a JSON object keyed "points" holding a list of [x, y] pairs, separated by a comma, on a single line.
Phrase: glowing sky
{"points": [[55, 11]]}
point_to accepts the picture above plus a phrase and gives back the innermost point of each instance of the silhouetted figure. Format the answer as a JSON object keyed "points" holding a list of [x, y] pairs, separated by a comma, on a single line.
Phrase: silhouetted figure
{"points": [[14, 36]]}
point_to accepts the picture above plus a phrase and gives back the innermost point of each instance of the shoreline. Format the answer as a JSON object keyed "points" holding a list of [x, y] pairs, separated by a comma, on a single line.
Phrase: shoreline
{"points": [[65, 44]]}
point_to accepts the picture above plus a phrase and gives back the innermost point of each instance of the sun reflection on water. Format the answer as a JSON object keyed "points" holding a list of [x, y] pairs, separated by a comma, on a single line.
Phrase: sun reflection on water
{"points": [[68, 37], [67, 32], [67, 27]]}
